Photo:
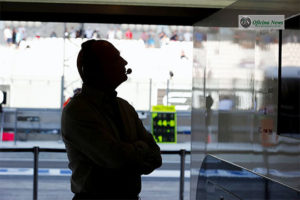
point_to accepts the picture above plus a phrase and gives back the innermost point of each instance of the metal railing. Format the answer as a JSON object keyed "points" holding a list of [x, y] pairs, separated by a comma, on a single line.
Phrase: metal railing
{"points": [[36, 150]]}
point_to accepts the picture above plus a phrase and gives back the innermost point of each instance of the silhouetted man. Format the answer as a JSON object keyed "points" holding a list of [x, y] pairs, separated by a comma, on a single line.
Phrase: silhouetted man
{"points": [[107, 145]]}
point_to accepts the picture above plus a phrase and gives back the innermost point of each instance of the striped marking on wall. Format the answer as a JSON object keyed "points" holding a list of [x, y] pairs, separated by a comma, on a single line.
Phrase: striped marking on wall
{"points": [[67, 172], [156, 173]]}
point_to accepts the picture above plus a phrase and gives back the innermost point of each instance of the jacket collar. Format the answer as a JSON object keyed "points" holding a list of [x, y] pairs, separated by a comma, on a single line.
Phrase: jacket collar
{"points": [[98, 95]]}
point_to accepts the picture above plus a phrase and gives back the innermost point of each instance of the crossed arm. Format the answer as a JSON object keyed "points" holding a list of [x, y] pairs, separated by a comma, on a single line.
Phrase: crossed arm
{"points": [[95, 139]]}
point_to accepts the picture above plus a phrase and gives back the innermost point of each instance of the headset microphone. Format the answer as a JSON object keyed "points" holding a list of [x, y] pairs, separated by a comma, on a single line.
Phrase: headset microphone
{"points": [[128, 71]]}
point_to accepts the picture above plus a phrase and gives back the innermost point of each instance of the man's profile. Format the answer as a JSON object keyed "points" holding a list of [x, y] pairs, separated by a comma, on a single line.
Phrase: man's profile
{"points": [[107, 145]]}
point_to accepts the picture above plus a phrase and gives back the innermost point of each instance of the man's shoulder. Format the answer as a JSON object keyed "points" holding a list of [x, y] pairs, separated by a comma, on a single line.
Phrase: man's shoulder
{"points": [[76, 105], [126, 107], [125, 103]]}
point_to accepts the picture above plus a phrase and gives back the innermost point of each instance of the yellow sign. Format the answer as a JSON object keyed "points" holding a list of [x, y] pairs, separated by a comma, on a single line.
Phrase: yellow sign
{"points": [[162, 108], [164, 128]]}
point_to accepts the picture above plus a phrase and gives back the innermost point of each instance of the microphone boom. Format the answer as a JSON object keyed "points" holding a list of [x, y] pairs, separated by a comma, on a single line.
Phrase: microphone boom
{"points": [[128, 71]]}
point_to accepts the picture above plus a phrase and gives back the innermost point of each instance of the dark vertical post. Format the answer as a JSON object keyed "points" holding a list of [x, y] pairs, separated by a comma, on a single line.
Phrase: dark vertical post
{"points": [[279, 82], [62, 89], [16, 124], [62, 83], [150, 94], [2, 124], [35, 172], [182, 165]]}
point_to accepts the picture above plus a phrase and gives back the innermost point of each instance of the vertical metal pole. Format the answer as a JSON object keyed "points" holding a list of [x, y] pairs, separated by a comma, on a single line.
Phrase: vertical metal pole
{"points": [[82, 29], [150, 106], [168, 82], [16, 124], [62, 89], [62, 97], [182, 165], [150, 94], [279, 82], [35, 172], [2, 125]]}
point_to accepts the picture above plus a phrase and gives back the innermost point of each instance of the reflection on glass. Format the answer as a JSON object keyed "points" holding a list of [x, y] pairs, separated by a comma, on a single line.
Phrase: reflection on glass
{"points": [[289, 116], [221, 180], [235, 104]]}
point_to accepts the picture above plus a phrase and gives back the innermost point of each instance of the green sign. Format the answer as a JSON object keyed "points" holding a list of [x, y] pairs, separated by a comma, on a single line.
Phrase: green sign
{"points": [[164, 124]]}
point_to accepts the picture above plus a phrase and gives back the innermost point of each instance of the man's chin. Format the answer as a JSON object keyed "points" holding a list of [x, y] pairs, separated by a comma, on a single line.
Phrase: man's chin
{"points": [[124, 78], [122, 81]]}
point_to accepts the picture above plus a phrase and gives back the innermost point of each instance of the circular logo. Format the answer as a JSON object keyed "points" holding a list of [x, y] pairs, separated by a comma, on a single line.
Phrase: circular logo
{"points": [[245, 22]]}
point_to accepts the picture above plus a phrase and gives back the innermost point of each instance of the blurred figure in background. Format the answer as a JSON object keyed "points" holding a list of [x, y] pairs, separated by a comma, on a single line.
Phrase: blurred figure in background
{"points": [[111, 34], [7, 35], [128, 34], [144, 37], [119, 34]]}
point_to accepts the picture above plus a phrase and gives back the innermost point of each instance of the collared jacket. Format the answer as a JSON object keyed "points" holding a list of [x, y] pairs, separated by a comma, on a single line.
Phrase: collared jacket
{"points": [[107, 151]]}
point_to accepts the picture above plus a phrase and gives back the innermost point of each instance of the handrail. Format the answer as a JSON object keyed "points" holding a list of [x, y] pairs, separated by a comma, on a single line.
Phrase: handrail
{"points": [[36, 150], [57, 150]]}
